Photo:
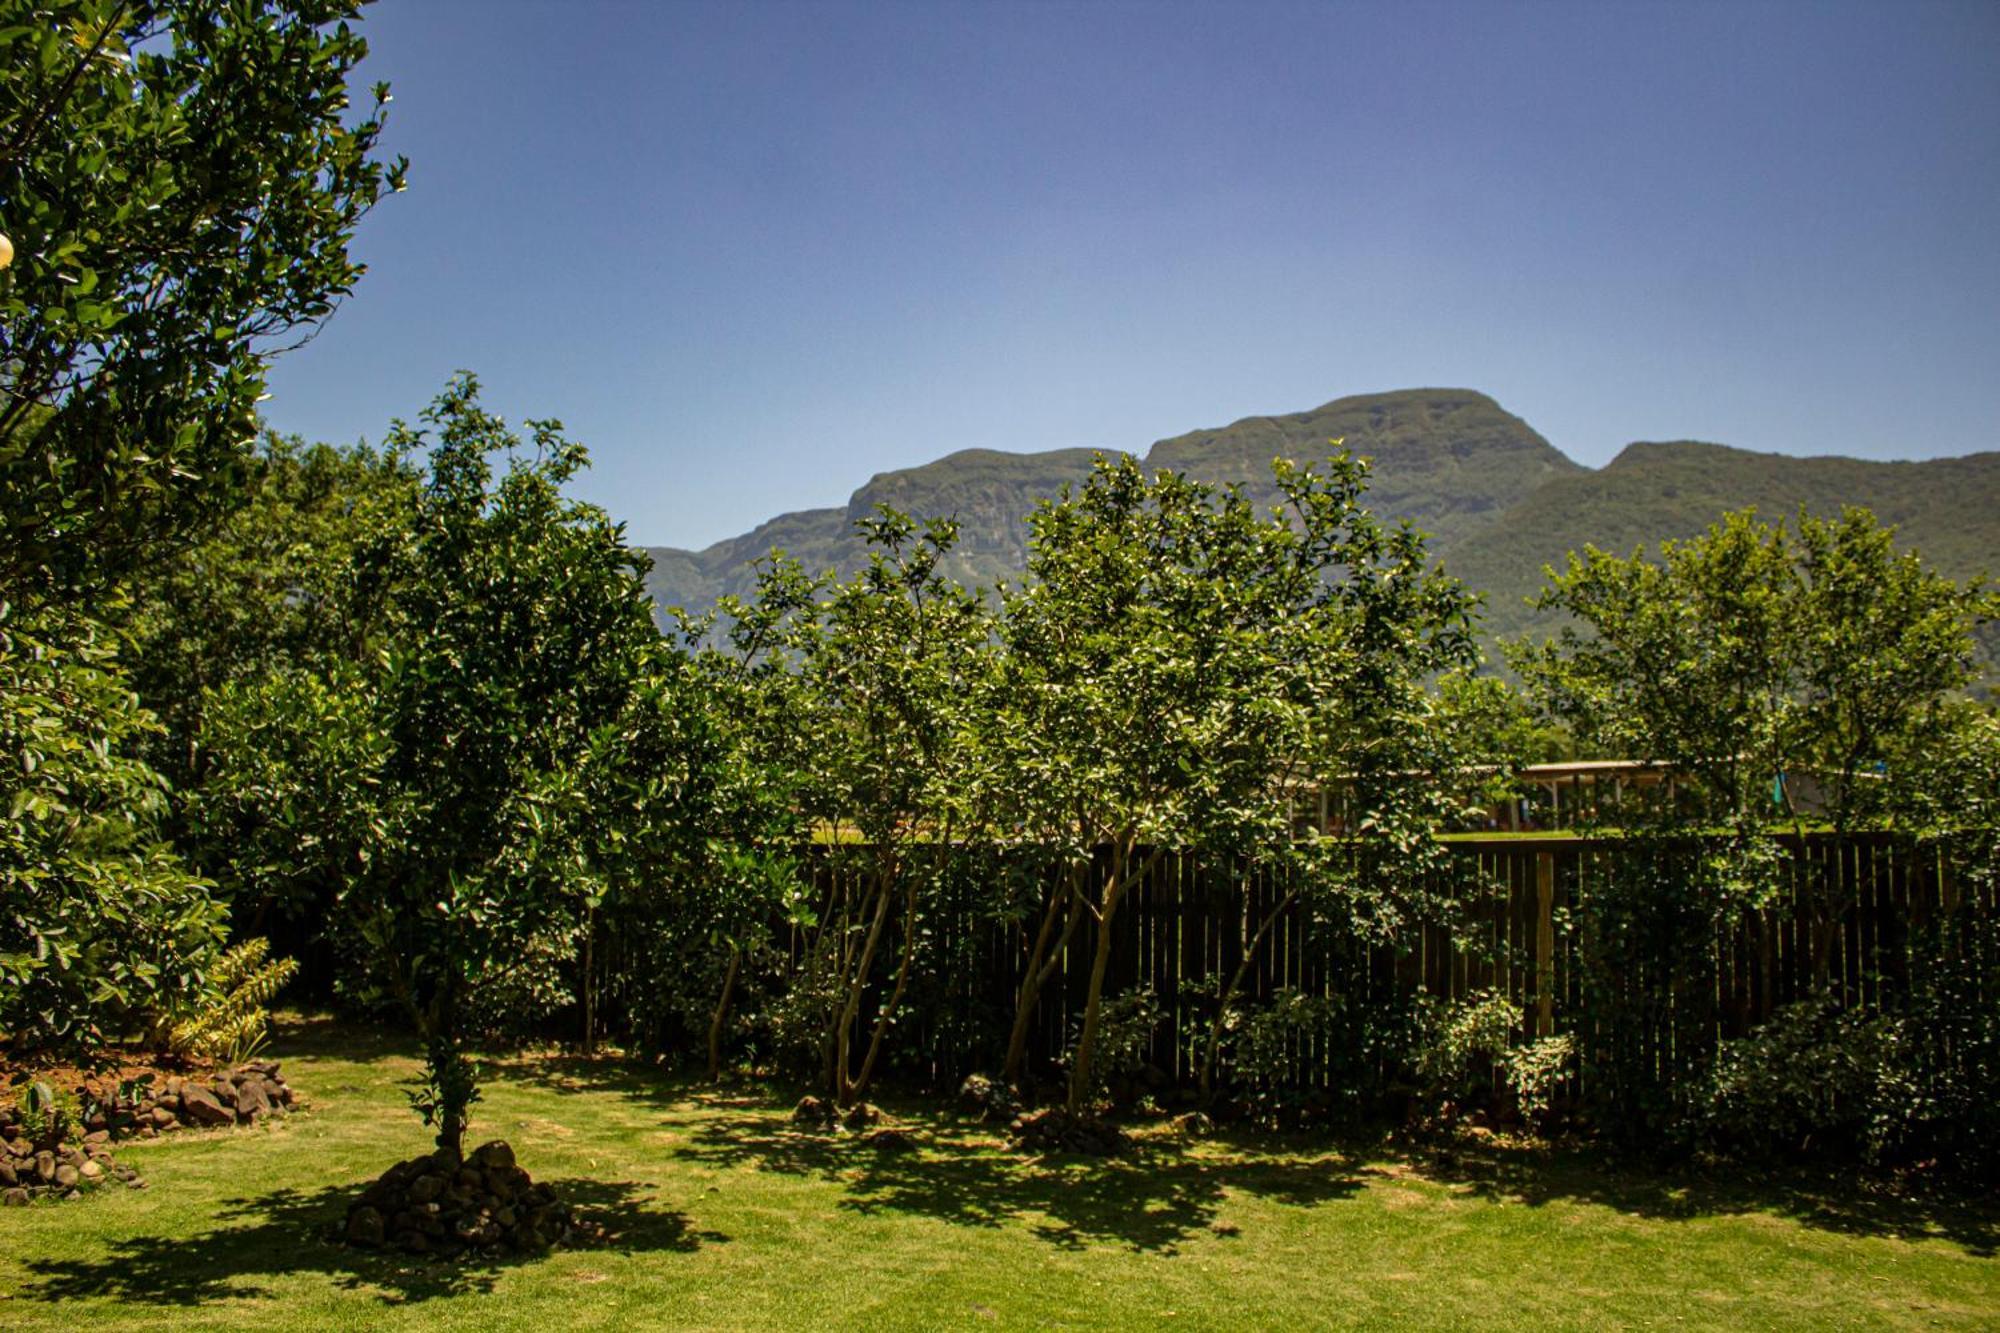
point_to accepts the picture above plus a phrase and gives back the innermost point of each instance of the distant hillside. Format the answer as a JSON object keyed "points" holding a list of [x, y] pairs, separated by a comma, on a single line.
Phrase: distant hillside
{"points": [[1448, 459], [1499, 501], [1947, 509]]}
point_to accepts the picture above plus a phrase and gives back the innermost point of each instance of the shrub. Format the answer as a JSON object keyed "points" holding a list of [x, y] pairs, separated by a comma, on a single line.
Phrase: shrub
{"points": [[230, 1020], [1124, 1036]]}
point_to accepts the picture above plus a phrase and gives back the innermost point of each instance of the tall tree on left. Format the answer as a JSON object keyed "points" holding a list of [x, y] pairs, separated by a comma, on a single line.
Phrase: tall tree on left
{"points": [[471, 786], [179, 180]]}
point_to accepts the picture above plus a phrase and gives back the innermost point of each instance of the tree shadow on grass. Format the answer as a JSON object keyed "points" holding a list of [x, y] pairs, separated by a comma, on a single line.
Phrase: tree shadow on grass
{"points": [[290, 1231], [1824, 1200], [1151, 1199]]}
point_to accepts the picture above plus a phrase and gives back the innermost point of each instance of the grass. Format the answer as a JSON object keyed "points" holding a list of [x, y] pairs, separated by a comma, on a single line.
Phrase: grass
{"points": [[726, 1218]]}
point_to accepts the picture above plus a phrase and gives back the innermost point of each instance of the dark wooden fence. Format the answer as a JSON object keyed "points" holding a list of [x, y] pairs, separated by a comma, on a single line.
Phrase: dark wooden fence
{"points": [[1659, 991]]}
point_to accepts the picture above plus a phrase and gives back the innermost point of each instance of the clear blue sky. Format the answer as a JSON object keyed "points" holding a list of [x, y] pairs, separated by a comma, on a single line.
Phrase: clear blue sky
{"points": [[754, 253]]}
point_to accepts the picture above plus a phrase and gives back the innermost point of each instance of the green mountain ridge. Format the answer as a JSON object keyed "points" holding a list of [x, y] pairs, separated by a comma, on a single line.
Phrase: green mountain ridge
{"points": [[1447, 459], [1498, 500], [1945, 509]]}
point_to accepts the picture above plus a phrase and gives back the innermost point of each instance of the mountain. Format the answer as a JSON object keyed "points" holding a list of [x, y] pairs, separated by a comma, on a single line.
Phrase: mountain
{"points": [[1449, 460], [1499, 501], [1946, 509]]}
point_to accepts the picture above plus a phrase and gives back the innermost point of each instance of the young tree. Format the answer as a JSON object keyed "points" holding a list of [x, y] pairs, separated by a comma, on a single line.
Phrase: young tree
{"points": [[1178, 664], [888, 667], [1757, 664], [449, 783]]}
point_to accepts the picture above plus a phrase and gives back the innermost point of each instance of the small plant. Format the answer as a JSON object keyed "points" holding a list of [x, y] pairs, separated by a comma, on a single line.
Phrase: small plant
{"points": [[1533, 1071], [1480, 1025], [231, 1022], [49, 1114]]}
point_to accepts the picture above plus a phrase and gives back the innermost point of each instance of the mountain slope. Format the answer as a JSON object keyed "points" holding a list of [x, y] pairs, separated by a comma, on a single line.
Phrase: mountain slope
{"points": [[1499, 501], [1947, 509], [1448, 459]]}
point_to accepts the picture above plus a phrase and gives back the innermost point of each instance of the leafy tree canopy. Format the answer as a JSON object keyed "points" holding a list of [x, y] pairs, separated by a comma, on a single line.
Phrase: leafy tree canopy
{"points": [[180, 180]]}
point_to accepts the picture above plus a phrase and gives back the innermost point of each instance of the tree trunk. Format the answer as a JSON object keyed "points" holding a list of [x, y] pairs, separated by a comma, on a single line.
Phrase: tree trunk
{"points": [[715, 1022], [887, 1013], [1207, 1077], [1079, 1079], [1042, 964], [589, 991], [855, 980]]}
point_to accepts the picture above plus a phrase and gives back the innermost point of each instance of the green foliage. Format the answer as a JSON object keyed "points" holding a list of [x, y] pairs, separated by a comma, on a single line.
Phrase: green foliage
{"points": [[231, 1019], [285, 583], [1534, 1070], [1749, 652], [100, 923], [1124, 1035], [49, 1115], [1807, 1079], [1179, 661], [447, 789], [180, 180], [1459, 1040]]}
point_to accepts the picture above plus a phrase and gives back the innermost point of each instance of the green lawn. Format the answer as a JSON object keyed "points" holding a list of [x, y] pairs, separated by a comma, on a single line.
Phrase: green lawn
{"points": [[728, 1219]]}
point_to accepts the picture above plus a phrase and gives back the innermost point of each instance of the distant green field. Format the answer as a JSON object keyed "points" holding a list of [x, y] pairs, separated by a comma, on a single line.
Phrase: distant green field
{"points": [[728, 1219]]}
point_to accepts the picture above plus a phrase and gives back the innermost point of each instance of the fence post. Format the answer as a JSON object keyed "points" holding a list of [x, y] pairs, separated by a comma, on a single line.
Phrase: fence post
{"points": [[1545, 943]]}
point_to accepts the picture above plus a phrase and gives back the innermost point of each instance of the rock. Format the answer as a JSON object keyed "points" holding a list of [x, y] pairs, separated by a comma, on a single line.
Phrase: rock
{"points": [[45, 1166], [162, 1117], [97, 1136], [67, 1176], [91, 1170], [813, 1113], [860, 1116], [494, 1156], [13, 1198], [484, 1205], [890, 1140], [251, 1101], [9, 1178], [365, 1227], [987, 1099], [1056, 1130], [203, 1108]]}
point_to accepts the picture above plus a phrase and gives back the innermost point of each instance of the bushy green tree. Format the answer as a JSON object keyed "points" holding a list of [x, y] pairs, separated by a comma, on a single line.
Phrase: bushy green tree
{"points": [[886, 673], [1179, 666], [449, 785], [101, 925], [180, 180], [1789, 680], [286, 582]]}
